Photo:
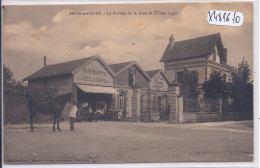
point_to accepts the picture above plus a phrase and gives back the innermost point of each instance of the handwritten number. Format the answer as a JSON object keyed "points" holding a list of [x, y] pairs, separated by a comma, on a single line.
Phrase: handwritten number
{"points": [[228, 17], [234, 17], [238, 20], [225, 18]]}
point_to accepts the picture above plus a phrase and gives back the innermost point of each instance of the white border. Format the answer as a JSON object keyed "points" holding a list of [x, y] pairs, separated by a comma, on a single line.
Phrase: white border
{"points": [[68, 2], [256, 36]]}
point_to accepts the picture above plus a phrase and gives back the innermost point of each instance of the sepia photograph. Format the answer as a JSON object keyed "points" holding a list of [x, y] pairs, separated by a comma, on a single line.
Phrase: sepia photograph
{"points": [[128, 83]]}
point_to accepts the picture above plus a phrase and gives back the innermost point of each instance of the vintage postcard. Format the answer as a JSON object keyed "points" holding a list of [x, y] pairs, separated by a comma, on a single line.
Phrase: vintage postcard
{"points": [[129, 83]]}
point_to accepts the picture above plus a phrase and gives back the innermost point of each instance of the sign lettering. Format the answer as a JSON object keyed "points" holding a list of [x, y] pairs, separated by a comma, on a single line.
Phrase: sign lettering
{"points": [[94, 74]]}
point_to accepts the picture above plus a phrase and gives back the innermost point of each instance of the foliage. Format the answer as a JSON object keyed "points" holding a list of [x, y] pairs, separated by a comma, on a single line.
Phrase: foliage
{"points": [[14, 93], [242, 88], [189, 81], [241, 74], [215, 86]]}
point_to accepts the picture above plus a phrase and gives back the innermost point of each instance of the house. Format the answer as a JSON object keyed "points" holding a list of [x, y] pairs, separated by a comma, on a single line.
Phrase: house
{"points": [[203, 54]]}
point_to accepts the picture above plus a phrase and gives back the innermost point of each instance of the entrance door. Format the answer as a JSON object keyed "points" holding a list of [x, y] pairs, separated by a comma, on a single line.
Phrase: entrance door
{"points": [[164, 113], [159, 104], [121, 107]]}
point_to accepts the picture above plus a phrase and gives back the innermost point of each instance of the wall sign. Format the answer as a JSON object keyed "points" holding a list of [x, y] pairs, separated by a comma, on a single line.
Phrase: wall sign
{"points": [[158, 83], [94, 74]]}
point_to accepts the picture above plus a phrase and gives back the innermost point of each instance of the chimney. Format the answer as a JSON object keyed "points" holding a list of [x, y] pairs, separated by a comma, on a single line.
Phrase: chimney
{"points": [[44, 61], [171, 41]]}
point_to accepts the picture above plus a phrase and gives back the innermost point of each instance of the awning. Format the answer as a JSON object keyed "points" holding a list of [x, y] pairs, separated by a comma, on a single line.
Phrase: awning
{"points": [[97, 89]]}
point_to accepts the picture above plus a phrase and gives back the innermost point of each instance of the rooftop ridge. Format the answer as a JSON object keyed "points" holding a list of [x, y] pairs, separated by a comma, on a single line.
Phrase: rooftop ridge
{"points": [[71, 61], [195, 38]]}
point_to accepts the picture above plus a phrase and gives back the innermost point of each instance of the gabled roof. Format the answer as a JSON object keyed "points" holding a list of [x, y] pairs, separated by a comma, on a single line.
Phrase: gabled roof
{"points": [[191, 48], [70, 67], [120, 67], [152, 73]]}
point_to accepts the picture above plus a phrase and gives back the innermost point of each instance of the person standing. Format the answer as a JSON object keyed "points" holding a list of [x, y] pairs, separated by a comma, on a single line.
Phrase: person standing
{"points": [[73, 114]]}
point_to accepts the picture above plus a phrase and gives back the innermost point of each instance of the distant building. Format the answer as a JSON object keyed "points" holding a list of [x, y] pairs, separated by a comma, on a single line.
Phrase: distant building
{"points": [[204, 54]]}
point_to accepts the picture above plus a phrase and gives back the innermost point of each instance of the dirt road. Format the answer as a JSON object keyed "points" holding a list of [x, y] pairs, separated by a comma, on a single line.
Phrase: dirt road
{"points": [[129, 142]]}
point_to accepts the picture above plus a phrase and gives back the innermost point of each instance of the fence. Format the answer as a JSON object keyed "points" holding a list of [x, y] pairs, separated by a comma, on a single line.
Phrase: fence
{"points": [[203, 105], [191, 104], [208, 110]]}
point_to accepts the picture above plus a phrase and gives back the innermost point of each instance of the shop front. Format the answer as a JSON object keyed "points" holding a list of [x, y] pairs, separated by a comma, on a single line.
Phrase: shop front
{"points": [[95, 92]]}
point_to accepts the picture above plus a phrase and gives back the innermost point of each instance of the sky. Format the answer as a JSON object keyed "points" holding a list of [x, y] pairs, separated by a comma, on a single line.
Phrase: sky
{"points": [[31, 32]]}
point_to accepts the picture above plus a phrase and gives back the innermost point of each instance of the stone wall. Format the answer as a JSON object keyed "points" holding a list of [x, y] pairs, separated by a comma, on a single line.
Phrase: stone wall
{"points": [[210, 117]]}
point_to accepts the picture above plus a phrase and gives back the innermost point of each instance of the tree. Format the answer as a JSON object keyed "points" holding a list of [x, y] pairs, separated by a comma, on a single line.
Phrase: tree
{"points": [[242, 88], [189, 81], [215, 86], [10, 88], [15, 92], [241, 74], [8, 77]]}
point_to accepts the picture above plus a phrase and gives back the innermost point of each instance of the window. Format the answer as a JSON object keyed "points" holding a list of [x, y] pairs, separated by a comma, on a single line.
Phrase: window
{"points": [[121, 102], [214, 55], [179, 76], [144, 101], [131, 78]]}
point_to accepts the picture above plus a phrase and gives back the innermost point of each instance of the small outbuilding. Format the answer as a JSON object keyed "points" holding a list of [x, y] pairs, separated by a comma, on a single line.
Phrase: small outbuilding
{"points": [[158, 91]]}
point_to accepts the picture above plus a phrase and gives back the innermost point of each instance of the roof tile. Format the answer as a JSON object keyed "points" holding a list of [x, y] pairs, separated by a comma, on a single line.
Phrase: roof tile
{"points": [[117, 67], [191, 48], [58, 69]]}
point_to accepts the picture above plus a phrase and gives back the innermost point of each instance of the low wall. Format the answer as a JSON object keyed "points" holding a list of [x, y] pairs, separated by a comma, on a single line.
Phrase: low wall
{"points": [[192, 117]]}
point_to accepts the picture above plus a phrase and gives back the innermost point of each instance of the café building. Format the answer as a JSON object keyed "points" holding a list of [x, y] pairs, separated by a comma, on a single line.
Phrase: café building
{"points": [[89, 79]]}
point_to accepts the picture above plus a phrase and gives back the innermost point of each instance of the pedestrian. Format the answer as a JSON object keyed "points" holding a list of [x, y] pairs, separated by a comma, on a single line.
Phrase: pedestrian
{"points": [[119, 115], [73, 114]]}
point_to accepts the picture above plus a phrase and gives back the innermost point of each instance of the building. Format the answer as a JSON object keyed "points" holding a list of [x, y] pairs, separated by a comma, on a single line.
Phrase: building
{"points": [[89, 79], [203, 54], [158, 91], [123, 88], [132, 83]]}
